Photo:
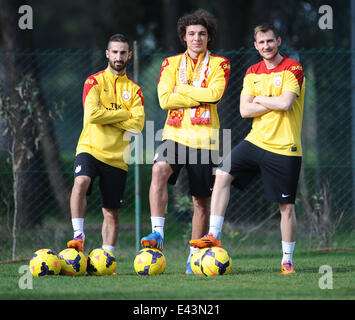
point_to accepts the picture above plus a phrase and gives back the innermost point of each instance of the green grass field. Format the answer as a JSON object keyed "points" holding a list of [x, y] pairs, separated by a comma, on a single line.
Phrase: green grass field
{"points": [[252, 277]]}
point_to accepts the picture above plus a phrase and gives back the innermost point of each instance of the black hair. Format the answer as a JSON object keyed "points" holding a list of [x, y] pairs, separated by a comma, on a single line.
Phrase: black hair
{"points": [[118, 37], [201, 17]]}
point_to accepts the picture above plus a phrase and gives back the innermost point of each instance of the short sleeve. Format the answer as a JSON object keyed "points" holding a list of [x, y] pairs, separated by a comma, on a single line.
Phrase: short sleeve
{"points": [[294, 77], [248, 84]]}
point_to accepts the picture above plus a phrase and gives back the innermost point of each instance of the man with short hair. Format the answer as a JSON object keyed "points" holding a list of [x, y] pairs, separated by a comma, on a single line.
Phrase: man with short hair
{"points": [[113, 104], [190, 86], [273, 94]]}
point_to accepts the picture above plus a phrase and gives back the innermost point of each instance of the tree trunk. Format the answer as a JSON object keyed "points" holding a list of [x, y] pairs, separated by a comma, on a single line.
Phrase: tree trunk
{"points": [[171, 15], [52, 161]]}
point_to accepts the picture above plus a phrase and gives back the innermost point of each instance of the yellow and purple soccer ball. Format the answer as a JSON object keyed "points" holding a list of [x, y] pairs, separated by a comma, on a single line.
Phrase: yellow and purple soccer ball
{"points": [[195, 262], [73, 262], [101, 262], [149, 261], [212, 261], [44, 262]]}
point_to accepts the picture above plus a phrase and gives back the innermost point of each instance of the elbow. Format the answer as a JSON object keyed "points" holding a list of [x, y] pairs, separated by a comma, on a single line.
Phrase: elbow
{"points": [[137, 129], [214, 98], [289, 106], [286, 106], [140, 127], [287, 103], [164, 99], [243, 112], [164, 104], [91, 117]]}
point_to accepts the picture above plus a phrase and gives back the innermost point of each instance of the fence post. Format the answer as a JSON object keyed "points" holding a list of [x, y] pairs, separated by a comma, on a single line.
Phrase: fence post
{"points": [[352, 34], [137, 158]]}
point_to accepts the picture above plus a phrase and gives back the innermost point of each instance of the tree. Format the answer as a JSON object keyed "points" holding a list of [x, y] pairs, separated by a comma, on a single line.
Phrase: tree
{"points": [[33, 146], [18, 118]]}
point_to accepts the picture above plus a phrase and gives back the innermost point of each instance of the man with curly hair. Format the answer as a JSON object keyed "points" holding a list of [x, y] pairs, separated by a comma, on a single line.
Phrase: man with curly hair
{"points": [[190, 86]]}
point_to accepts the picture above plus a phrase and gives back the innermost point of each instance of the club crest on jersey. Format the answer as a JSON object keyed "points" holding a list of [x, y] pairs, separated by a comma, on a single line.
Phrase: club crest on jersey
{"points": [[126, 96], [278, 81]]}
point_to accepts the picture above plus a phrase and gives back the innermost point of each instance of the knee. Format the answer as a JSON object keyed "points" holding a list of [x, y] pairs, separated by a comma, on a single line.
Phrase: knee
{"points": [[161, 171], [223, 179], [201, 205], [111, 215], [287, 210], [81, 184]]}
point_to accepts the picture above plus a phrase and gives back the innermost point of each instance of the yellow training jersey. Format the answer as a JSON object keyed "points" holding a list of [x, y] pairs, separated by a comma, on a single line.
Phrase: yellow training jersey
{"points": [[112, 105], [277, 131], [200, 136]]}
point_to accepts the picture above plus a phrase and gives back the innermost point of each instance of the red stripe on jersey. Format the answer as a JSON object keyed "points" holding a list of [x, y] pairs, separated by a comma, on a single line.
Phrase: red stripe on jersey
{"points": [[140, 93], [226, 66], [89, 83], [163, 65], [297, 70], [286, 64]]}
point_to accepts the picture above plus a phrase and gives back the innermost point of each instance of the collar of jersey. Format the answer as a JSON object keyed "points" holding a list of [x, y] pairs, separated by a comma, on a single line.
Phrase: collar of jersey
{"points": [[113, 76]]}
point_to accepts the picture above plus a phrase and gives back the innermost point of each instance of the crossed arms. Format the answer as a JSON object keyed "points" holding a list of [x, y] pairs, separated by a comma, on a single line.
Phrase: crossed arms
{"points": [[251, 106], [131, 120], [172, 96]]}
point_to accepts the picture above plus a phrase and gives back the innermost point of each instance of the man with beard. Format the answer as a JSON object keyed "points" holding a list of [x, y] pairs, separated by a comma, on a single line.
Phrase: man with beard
{"points": [[113, 104], [273, 94]]}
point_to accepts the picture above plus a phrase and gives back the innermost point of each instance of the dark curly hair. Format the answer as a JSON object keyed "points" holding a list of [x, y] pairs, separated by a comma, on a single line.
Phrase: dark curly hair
{"points": [[201, 17]]}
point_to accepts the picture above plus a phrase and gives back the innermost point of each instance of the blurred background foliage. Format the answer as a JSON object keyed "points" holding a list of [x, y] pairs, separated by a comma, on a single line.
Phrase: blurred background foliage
{"points": [[84, 24]]}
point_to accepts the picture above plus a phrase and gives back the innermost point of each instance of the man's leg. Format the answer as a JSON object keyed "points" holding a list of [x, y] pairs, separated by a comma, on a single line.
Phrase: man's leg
{"points": [[199, 224], [78, 206], [221, 193], [78, 201], [158, 200], [158, 192], [288, 236], [109, 228], [288, 222], [219, 203], [200, 216]]}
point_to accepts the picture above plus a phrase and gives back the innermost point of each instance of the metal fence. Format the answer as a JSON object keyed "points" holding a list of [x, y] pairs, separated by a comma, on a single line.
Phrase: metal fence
{"points": [[324, 205]]}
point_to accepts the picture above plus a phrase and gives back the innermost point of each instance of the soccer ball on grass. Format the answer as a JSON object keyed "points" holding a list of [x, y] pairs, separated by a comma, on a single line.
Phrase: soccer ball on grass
{"points": [[44, 262], [195, 262], [101, 262], [73, 262], [149, 261], [211, 262]]}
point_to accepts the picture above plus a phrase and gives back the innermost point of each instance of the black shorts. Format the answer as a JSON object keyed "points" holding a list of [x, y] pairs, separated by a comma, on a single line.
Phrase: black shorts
{"points": [[112, 180], [279, 173], [199, 164]]}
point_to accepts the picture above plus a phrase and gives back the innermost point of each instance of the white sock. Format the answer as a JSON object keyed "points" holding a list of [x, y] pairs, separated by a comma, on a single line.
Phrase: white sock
{"points": [[78, 226], [192, 251], [287, 251], [216, 224], [109, 248], [158, 224]]}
